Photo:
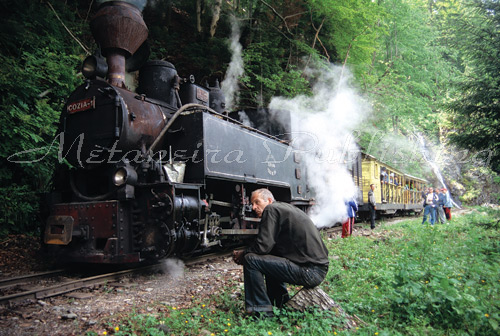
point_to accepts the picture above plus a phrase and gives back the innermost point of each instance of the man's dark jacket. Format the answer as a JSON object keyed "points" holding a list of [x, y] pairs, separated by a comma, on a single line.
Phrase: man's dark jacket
{"points": [[286, 231]]}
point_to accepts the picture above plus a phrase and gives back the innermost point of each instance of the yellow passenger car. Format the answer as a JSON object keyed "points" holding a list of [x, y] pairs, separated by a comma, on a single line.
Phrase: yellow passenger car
{"points": [[395, 191]]}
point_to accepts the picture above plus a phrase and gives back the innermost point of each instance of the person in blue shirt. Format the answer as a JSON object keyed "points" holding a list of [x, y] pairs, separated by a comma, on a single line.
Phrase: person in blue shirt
{"points": [[351, 208]]}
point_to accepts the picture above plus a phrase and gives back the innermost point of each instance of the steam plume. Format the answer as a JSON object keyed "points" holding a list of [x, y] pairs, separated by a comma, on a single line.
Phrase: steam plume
{"points": [[173, 267], [322, 127], [229, 85]]}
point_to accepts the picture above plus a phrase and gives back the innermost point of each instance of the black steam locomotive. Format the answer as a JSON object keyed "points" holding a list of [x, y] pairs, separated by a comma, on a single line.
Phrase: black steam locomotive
{"points": [[161, 171]]}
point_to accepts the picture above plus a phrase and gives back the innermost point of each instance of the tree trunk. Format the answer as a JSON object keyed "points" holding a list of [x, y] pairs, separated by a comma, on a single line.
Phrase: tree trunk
{"points": [[316, 297]]}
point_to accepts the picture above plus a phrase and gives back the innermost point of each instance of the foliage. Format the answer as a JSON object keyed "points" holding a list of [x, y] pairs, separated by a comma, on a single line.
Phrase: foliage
{"points": [[408, 75], [423, 279], [280, 48], [481, 185], [407, 82], [264, 77], [477, 109], [19, 209], [37, 76], [356, 44]]}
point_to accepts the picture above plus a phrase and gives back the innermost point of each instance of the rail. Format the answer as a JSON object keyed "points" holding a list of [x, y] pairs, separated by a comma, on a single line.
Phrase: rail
{"points": [[69, 286]]}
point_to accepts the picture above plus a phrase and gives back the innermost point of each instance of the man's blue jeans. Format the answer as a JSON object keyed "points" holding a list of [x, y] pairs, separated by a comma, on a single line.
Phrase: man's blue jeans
{"points": [[260, 295], [431, 212]]}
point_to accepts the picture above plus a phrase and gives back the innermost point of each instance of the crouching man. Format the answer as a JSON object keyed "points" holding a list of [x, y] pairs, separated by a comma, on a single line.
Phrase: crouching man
{"points": [[287, 249]]}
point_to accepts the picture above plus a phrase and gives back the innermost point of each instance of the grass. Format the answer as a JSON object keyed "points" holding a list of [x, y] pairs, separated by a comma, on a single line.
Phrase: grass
{"points": [[412, 279]]}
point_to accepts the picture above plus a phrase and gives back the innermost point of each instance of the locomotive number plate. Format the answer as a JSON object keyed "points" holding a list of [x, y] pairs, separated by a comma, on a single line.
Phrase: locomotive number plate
{"points": [[81, 105], [202, 95]]}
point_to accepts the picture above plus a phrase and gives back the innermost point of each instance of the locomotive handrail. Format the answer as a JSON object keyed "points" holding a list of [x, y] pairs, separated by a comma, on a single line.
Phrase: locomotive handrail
{"points": [[208, 109], [171, 121], [249, 127]]}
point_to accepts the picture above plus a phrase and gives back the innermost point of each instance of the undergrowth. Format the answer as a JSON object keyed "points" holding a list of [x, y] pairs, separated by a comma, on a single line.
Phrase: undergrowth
{"points": [[406, 279]]}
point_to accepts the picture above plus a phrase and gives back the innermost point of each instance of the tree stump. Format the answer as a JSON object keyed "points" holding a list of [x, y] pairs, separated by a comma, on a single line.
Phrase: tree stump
{"points": [[316, 297]]}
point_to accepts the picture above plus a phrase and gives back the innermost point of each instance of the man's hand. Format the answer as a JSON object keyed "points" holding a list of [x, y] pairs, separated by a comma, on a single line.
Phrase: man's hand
{"points": [[238, 256]]}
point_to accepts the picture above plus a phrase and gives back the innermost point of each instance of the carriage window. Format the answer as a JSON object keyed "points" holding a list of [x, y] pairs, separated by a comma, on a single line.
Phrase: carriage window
{"points": [[375, 171]]}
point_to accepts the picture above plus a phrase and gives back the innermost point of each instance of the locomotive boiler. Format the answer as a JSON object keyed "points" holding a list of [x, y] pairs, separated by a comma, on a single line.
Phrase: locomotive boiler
{"points": [[157, 172]]}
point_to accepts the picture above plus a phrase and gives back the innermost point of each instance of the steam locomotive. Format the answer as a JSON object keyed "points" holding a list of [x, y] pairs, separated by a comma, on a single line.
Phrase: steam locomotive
{"points": [[161, 171]]}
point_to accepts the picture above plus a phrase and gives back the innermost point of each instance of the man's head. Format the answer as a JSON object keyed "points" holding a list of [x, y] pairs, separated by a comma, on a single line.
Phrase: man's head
{"points": [[431, 190], [372, 186], [260, 199]]}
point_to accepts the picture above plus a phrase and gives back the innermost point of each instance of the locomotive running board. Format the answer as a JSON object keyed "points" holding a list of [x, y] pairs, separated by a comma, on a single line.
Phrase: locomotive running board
{"points": [[239, 231]]}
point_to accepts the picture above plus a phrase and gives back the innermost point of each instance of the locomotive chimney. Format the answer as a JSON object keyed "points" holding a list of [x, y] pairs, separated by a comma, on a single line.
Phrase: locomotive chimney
{"points": [[119, 29]]}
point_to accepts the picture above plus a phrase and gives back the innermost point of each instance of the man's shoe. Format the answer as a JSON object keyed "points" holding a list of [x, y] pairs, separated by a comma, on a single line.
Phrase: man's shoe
{"points": [[261, 315]]}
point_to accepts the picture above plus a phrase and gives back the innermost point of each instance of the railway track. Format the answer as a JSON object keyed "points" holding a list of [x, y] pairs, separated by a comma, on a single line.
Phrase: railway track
{"points": [[17, 286], [59, 287], [23, 279]]}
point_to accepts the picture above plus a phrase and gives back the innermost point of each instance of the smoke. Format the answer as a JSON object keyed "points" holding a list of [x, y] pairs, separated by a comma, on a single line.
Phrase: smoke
{"points": [[173, 267], [229, 85], [322, 129], [245, 120]]}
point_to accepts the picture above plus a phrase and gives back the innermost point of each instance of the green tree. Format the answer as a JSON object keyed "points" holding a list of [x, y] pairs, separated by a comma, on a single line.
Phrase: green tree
{"points": [[408, 71], [476, 111], [39, 60]]}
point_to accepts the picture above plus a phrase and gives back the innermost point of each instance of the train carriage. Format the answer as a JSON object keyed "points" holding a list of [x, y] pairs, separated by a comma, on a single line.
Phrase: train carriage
{"points": [[395, 191], [412, 193]]}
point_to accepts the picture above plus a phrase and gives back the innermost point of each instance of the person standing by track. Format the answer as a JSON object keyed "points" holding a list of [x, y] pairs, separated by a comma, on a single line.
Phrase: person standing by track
{"points": [[351, 208], [440, 216], [372, 205], [430, 203], [448, 204]]}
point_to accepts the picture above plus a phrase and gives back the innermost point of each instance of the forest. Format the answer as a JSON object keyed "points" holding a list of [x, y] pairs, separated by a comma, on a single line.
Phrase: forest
{"points": [[423, 76]]}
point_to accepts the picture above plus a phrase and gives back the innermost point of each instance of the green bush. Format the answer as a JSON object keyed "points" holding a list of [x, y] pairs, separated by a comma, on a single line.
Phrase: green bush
{"points": [[38, 73]]}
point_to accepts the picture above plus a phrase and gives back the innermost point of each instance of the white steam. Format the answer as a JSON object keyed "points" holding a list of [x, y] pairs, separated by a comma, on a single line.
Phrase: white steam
{"points": [[229, 85], [173, 267], [245, 120], [322, 128]]}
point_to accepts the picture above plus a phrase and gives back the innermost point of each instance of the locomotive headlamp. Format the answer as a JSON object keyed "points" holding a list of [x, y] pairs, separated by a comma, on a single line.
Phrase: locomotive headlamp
{"points": [[124, 175], [94, 66]]}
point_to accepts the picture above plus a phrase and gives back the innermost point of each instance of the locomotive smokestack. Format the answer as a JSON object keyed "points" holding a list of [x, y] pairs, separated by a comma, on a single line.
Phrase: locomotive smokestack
{"points": [[119, 29]]}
